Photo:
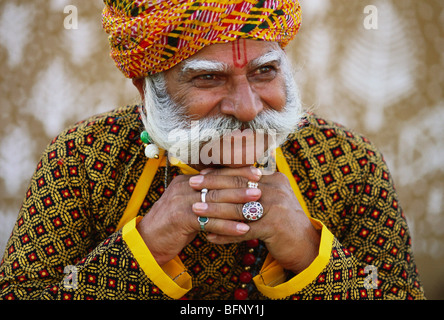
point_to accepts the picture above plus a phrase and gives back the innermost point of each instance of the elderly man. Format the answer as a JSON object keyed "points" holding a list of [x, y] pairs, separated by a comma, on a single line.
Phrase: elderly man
{"points": [[218, 186]]}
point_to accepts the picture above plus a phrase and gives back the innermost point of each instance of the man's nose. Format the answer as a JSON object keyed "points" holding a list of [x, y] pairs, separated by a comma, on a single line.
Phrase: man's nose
{"points": [[242, 101]]}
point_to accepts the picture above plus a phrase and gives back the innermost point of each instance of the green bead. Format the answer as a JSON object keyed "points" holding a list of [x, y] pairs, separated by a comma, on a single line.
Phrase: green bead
{"points": [[145, 137]]}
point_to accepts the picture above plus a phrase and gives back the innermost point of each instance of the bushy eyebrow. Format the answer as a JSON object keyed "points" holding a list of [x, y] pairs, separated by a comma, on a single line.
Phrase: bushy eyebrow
{"points": [[274, 56], [204, 65]]}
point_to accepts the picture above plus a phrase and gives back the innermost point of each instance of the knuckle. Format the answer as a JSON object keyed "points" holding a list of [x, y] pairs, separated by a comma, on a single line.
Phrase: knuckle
{"points": [[280, 176], [280, 194], [176, 198], [180, 179], [239, 212], [173, 217], [212, 196], [240, 182], [221, 227], [212, 225], [178, 183], [278, 207]]}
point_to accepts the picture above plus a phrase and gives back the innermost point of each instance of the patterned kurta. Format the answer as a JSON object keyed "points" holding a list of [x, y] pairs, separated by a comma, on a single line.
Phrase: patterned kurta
{"points": [[86, 176]]}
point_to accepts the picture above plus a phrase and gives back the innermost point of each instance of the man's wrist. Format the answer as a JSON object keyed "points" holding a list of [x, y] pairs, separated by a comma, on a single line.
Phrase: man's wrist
{"points": [[159, 258], [311, 251]]}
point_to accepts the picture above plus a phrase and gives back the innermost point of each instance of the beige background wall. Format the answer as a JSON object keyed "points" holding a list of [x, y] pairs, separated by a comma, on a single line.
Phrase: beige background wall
{"points": [[386, 83]]}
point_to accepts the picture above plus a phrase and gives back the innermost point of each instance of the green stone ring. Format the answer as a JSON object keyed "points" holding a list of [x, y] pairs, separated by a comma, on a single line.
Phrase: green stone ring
{"points": [[203, 221]]}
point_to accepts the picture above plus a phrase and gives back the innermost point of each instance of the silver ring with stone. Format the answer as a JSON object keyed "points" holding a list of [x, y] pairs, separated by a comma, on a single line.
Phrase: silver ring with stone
{"points": [[203, 220], [252, 211]]}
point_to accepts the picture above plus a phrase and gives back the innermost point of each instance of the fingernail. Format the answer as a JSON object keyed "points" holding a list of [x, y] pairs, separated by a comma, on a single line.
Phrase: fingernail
{"points": [[253, 192], [256, 171], [242, 227], [200, 206], [207, 170], [196, 180], [211, 237]]}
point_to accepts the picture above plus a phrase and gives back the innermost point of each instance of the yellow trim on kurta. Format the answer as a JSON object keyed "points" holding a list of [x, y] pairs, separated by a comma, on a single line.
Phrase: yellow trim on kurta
{"points": [[173, 279], [141, 189], [267, 282], [186, 169], [284, 168], [159, 276]]}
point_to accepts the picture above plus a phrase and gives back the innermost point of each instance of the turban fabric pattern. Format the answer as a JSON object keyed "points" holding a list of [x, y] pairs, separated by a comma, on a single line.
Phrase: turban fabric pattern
{"points": [[147, 37]]}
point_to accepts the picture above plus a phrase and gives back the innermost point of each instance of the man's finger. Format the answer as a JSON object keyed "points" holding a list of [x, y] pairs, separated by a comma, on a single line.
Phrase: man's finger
{"points": [[227, 239], [224, 227], [250, 173], [233, 195], [212, 182], [226, 211]]}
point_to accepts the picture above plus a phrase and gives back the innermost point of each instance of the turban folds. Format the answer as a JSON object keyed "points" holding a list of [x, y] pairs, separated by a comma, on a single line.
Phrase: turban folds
{"points": [[147, 37]]}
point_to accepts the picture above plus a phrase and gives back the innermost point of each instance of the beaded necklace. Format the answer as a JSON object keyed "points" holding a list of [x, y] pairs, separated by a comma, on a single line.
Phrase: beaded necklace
{"points": [[250, 269]]}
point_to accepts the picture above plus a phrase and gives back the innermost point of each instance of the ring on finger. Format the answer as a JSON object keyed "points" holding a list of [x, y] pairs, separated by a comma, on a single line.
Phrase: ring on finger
{"points": [[252, 185], [203, 220], [252, 211], [203, 194]]}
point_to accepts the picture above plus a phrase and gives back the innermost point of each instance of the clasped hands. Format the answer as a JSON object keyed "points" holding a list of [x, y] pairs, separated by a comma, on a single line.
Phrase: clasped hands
{"points": [[286, 231]]}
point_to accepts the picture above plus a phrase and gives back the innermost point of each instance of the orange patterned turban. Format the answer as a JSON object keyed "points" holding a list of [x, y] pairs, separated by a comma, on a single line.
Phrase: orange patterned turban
{"points": [[147, 37]]}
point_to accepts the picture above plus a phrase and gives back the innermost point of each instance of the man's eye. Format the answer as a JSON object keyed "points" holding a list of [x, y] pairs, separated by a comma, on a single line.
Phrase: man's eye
{"points": [[264, 69], [264, 73], [207, 80], [206, 77]]}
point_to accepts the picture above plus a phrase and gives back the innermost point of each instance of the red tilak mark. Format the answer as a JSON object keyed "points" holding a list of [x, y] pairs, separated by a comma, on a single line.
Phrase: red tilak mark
{"points": [[239, 53]]}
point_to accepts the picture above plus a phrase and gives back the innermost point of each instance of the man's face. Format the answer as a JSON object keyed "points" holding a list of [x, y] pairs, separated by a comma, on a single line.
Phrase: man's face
{"points": [[235, 79], [244, 90]]}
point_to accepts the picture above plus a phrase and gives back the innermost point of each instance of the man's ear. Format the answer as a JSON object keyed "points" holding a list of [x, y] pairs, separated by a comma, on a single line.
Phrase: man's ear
{"points": [[139, 83]]}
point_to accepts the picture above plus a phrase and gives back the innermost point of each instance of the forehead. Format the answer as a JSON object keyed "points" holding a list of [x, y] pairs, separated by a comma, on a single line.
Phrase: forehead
{"points": [[236, 54]]}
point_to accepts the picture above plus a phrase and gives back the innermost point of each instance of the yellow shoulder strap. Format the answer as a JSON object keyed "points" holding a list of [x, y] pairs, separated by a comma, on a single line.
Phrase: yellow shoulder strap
{"points": [[285, 169], [141, 189]]}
